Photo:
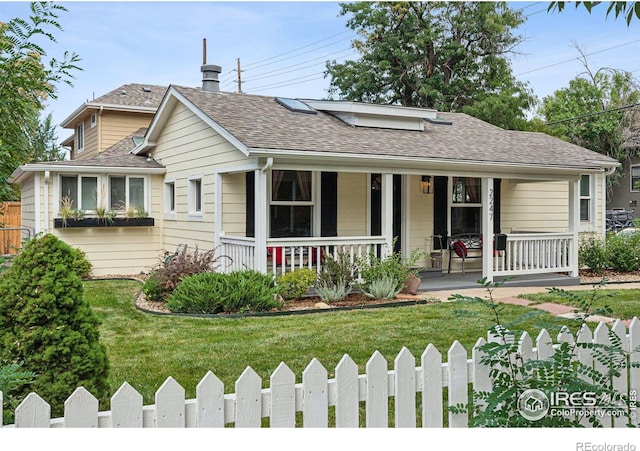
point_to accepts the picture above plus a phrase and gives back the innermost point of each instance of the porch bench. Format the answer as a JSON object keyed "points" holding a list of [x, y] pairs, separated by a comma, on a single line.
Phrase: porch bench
{"points": [[464, 246]]}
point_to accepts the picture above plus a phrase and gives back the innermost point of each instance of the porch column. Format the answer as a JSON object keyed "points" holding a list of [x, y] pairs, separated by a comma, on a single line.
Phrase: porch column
{"points": [[261, 226], [487, 228], [574, 225], [387, 213]]}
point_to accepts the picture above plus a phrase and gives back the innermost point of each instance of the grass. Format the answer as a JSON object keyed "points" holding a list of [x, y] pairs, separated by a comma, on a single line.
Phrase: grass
{"points": [[624, 304], [144, 349]]}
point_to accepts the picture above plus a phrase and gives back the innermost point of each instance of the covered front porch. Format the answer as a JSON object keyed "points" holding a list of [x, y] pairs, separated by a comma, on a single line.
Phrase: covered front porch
{"points": [[277, 219]]}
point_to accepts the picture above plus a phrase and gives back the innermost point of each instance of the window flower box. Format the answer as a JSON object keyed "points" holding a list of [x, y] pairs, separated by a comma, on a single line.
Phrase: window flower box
{"points": [[60, 223]]}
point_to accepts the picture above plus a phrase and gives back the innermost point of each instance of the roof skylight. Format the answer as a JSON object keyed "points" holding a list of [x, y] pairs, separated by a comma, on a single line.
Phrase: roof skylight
{"points": [[295, 105]]}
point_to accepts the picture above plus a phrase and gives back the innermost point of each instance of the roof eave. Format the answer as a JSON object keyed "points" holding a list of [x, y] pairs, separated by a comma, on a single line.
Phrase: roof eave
{"points": [[106, 106]]}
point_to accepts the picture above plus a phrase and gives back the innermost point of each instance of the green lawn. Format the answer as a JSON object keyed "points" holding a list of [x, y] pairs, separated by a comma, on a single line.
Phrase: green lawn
{"points": [[144, 349], [624, 304]]}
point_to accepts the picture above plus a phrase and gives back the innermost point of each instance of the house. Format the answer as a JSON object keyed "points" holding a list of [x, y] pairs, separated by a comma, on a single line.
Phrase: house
{"points": [[102, 122], [275, 183]]}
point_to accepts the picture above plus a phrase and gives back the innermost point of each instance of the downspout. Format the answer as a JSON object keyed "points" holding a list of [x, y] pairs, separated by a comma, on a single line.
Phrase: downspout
{"points": [[268, 164], [46, 201]]}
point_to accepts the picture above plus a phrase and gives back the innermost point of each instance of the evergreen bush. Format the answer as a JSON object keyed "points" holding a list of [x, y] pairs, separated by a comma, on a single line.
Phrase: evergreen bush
{"points": [[211, 293], [46, 323], [296, 283]]}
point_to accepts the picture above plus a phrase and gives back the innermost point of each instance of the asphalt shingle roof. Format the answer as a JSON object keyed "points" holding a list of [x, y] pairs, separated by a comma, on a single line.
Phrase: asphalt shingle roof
{"points": [[117, 155], [261, 123], [135, 95]]}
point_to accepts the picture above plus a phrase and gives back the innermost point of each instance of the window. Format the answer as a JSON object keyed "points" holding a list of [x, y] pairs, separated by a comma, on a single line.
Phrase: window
{"points": [[586, 197], [466, 207], [170, 196], [82, 191], [291, 209], [126, 193], [94, 120], [88, 192], [635, 178], [80, 136], [195, 195]]}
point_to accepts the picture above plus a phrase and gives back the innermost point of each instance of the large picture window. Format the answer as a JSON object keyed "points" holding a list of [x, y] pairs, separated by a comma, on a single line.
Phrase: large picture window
{"points": [[118, 193], [291, 209], [466, 205]]}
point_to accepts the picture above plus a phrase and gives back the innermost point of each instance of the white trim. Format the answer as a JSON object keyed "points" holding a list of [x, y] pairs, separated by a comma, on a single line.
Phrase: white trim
{"points": [[590, 224], [368, 221], [316, 211], [167, 213], [80, 148], [37, 198], [93, 121], [217, 209], [247, 167], [192, 213], [429, 163], [631, 190], [165, 108], [406, 215]]}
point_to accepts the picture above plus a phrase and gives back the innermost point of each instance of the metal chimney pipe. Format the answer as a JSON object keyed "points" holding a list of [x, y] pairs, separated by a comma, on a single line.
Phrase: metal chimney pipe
{"points": [[210, 80]]}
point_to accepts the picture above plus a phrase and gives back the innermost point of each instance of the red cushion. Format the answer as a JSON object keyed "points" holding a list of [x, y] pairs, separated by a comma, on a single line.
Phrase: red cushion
{"points": [[460, 248]]}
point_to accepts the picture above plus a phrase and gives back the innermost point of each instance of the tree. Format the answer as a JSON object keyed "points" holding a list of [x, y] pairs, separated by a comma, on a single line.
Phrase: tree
{"points": [[43, 142], [626, 9], [451, 56], [596, 111], [28, 77], [46, 323]]}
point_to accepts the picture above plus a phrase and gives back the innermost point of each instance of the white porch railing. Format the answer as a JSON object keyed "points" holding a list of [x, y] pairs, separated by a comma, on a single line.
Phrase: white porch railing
{"points": [[239, 253], [288, 254], [534, 253]]}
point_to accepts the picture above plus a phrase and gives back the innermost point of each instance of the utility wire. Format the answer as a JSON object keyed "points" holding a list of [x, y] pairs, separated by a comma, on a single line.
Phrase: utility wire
{"points": [[597, 113]]}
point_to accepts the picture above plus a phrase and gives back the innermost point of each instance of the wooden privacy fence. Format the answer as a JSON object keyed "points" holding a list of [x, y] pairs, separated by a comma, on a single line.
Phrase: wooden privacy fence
{"points": [[10, 219], [418, 392]]}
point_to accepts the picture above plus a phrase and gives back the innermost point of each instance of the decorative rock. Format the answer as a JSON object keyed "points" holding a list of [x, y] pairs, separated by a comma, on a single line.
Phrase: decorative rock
{"points": [[321, 305]]}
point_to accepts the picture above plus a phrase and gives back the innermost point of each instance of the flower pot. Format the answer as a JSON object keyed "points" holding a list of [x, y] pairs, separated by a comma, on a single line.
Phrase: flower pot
{"points": [[412, 284]]}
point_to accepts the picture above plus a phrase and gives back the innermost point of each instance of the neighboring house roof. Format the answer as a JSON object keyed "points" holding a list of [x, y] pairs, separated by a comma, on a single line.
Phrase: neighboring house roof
{"points": [[130, 97], [116, 157], [260, 126]]}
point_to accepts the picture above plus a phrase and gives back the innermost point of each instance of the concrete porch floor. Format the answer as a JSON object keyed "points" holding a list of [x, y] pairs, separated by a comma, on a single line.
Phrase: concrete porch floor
{"points": [[459, 281]]}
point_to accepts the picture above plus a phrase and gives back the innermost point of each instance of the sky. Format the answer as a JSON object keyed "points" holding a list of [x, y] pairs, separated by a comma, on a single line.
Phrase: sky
{"points": [[283, 46]]}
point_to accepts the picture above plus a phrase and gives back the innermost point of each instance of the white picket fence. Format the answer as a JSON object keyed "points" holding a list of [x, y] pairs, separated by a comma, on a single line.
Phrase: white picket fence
{"points": [[314, 397]]}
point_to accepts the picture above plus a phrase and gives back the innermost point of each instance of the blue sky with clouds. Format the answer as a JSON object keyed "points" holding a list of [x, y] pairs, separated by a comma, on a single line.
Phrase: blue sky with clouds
{"points": [[282, 46]]}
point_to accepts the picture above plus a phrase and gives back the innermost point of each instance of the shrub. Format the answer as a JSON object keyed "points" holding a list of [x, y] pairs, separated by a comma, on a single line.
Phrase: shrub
{"points": [[165, 278], [384, 288], [592, 254], [81, 265], [211, 293], [46, 323], [295, 284], [562, 373], [393, 267], [623, 253], [12, 378], [333, 291], [337, 270]]}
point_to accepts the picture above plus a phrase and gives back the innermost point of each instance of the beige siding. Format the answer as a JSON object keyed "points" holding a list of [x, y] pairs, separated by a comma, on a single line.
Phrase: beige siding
{"points": [[116, 250], [189, 147], [27, 204], [234, 210], [352, 204], [420, 218], [114, 126], [535, 207], [90, 147]]}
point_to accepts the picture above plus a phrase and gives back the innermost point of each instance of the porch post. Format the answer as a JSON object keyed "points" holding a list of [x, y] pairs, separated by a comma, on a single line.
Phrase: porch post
{"points": [[387, 213], [487, 228], [218, 209], [574, 224], [261, 228]]}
